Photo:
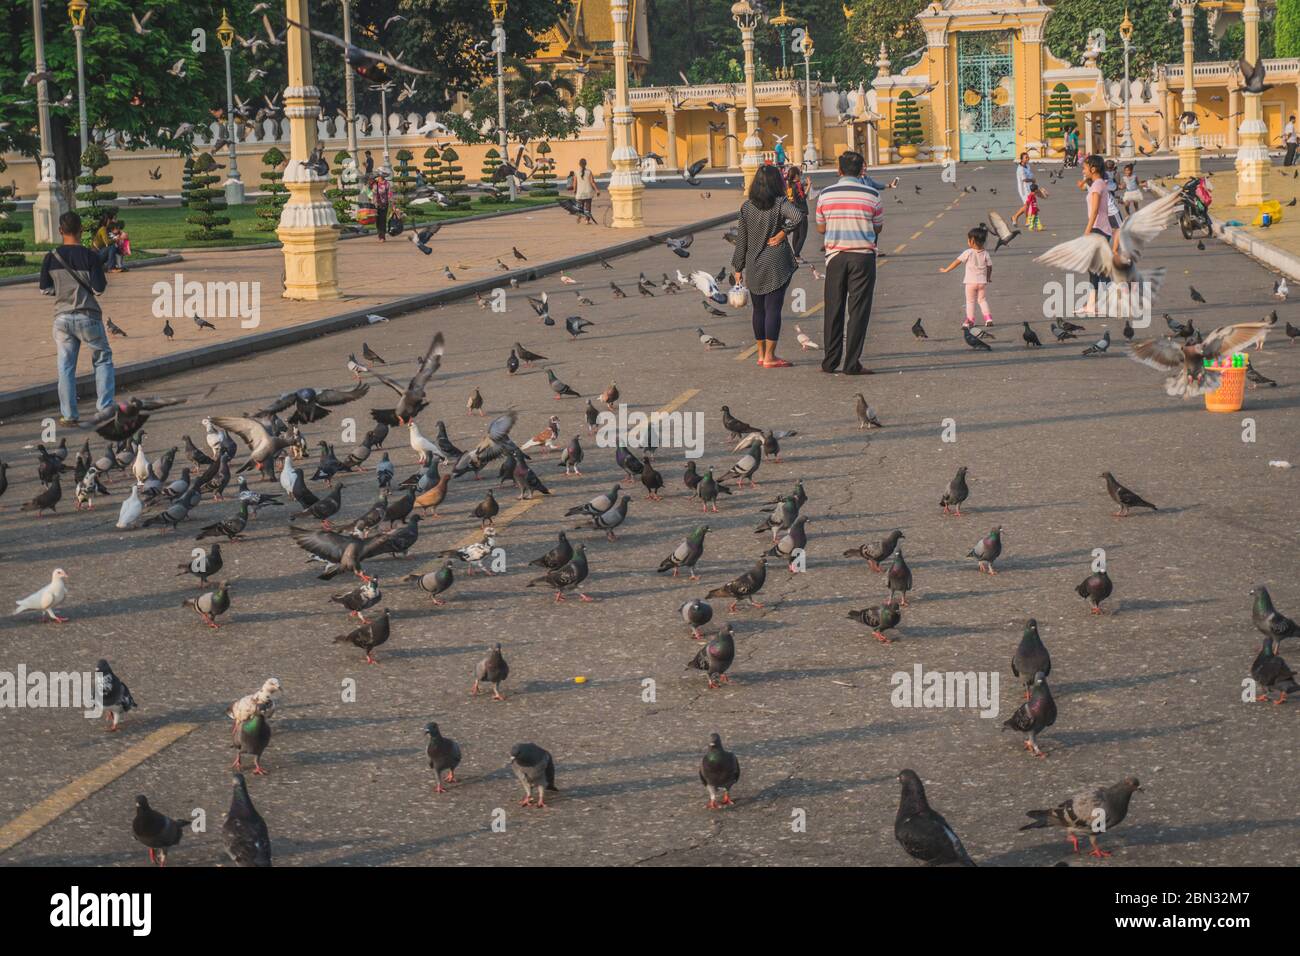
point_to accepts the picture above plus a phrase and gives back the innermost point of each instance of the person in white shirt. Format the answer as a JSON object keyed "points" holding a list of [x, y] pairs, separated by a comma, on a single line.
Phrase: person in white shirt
{"points": [[1290, 139], [583, 184], [1024, 176]]}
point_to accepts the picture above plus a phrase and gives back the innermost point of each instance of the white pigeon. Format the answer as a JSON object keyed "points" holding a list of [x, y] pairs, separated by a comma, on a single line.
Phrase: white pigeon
{"points": [[131, 510], [47, 598], [1279, 288], [568, 279], [375, 318], [423, 447], [215, 437], [805, 343], [681, 279], [140, 467], [288, 476], [708, 286], [263, 702]]}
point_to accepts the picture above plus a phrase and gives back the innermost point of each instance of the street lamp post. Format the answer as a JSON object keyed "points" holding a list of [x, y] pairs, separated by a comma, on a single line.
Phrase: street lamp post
{"points": [[810, 159], [1126, 34], [234, 185], [382, 89], [625, 186], [499, 45], [77, 14], [48, 206], [1189, 145], [349, 88], [748, 16], [1253, 164], [781, 21]]}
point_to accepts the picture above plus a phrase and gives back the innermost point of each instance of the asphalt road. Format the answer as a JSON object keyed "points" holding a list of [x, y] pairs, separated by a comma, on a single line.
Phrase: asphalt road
{"points": [[1152, 689]]}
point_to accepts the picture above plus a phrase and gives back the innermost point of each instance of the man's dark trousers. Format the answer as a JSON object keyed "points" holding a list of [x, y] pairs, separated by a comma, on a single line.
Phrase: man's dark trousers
{"points": [[850, 282], [1290, 154]]}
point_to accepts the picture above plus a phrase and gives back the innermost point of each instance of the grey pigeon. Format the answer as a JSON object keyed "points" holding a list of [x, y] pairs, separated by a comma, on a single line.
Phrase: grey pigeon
{"points": [[956, 493], [686, 554], [1123, 497], [247, 840], [1270, 672], [155, 830], [1090, 812], [1031, 657], [1100, 346], [719, 772], [444, 756], [534, 768], [796, 539], [899, 577], [744, 586], [492, 669], [114, 695], [873, 554], [921, 831], [211, 604], [866, 414], [696, 614], [1035, 715], [715, 657], [1268, 620], [1095, 588], [254, 736], [987, 549]]}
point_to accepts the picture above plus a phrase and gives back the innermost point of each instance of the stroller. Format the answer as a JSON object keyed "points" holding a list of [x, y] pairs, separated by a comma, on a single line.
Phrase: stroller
{"points": [[1195, 214]]}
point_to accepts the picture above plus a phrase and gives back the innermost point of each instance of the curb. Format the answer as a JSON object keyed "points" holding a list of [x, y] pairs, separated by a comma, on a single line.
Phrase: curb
{"points": [[45, 395], [1267, 254], [199, 250], [165, 260]]}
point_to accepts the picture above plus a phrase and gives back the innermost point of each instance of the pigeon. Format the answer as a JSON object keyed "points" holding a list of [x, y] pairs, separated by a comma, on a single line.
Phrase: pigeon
{"points": [[1270, 622], [1035, 715], [744, 586], [1196, 296], [210, 605], [1292, 332], [444, 756], [475, 403], [899, 578], [957, 493], [493, 669], [975, 341], [1061, 333], [922, 833], [1128, 332], [322, 509], [46, 500], [707, 286], [114, 695], [157, 831], [512, 363], [686, 554], [1280, 290], [1003, 232], [874, 554], [576, 325], [231, 528], [1090, 812], [534, 768], [486, 510], [1095, 588], [715, 657], [618, 293], [693, 170], [612, 518], [719, 772], [254, 736], [710, 342], [368, 636], [364, 63], [780, 518], [597, 505], [131, 511], [866, 414], [568, 577], [434, 582], [1270, 672], [1123, 497], [610, 395], [1252, 76], [571, 456], [371, 355], [632, 465], [248, 842], [796, 539], [366, 595], [262, 701], [879, 618], [559, 388], [412, 396], [1031, 338], [696, 614], [1189, 364], [47, 598], [557, 557], [203, 565], [748, 465], [918, 330], [1031, 657], [1256, 378], [987, 549], [1100, 346]]}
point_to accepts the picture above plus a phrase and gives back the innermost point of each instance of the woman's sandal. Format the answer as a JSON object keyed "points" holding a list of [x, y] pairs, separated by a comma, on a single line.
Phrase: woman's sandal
{"points": [[778, 363]]}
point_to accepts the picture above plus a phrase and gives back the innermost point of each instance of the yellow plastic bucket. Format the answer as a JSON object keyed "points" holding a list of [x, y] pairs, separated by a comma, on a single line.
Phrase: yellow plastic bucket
{"points": [[1231, 393]]}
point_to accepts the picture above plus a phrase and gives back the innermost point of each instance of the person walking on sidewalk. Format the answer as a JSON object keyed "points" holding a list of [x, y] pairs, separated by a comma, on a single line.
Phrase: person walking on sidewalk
{"points": [[74, 275], [1290, 140], [850, 218], [796, 190], [763, 257], [381, 193], [583, 185]]}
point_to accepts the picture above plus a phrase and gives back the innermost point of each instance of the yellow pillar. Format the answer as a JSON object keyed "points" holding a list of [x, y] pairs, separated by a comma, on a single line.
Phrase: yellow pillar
{"points": [[796, 111], [1253, 164], [625, 187], [1189, 145], [670, 121], [307, 222], [884, 101], [1234, 107], [1032, 34], [748, 17], [731, 139]]}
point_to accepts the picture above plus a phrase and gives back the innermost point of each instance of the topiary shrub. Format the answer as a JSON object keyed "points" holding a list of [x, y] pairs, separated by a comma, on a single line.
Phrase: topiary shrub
{"points": [[498, 191], [543, 177], [452, 181], [274, 192], [908, 130], [404, 181], [208, 201], [95, 202], [344, 190], [11, 246]]}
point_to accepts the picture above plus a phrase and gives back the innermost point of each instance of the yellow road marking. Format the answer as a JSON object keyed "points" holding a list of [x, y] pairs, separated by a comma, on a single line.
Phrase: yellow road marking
{"points": [[936, 218], [65, 798], [520, 507], [900, 247], [747, 353], [914, 235], [929, 224]]}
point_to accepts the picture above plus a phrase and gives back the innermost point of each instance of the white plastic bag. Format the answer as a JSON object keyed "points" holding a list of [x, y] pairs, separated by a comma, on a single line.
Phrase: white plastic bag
{"points": [[738, 297]]}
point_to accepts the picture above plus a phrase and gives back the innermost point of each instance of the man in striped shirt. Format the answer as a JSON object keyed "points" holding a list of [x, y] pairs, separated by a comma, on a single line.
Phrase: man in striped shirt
{"points": [[849, 217]]}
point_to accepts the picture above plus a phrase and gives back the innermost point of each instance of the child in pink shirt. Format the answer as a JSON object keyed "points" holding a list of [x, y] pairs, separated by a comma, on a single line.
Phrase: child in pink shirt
{"points": [[979, 270]]}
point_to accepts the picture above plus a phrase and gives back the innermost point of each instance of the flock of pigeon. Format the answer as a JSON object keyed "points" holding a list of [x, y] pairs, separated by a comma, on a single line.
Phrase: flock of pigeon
{"points": [[276, 448]]}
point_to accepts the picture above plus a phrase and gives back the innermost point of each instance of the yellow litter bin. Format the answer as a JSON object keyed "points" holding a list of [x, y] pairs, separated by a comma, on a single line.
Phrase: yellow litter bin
{"points": [[1231, 393], [1272, 209]]}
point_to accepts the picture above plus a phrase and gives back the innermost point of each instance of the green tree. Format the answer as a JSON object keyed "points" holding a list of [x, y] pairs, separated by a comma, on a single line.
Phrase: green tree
{"points": [[432, 166], [890, 21], [274, 193], [207, 200], [908, 130], [535, 107], [404, 181], [1060, 109], [543, 177], [1286, 29], [1232, 45], [592, 93], [343, 189], [1156, 39], [94, 202], [187, 176], [452, 181], [11, 244], [498, 191]]}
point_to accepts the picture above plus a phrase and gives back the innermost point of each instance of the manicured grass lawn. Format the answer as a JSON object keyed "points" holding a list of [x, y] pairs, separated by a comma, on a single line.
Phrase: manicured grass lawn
{"points": [[164, 227]]}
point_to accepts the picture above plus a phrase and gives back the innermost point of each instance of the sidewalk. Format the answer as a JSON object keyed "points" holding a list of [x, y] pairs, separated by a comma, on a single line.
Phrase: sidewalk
{"points": [[371, 275]]}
